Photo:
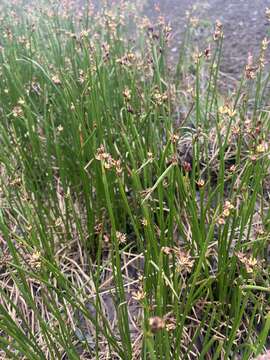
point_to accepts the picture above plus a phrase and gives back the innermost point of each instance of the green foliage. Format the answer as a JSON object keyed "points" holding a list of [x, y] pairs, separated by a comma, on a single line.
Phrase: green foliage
{"points": [[134, 198]]}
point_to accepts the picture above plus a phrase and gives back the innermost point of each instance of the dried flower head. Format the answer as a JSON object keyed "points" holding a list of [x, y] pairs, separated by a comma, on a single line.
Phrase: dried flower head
{"points": [[16, 182], [118, 166], [121, 237], [207, 52], [84, 34], [228, 207], [127, 94], [170, 322], [253, 158], [81, 77], [196, 56], [56, 80], [58, 222], [98, 228], [145, 23], [21, 101], [262, 147], [174, 138], [221, 220], [259, 230], [159, 98], [200, 183], [167, 31], [35, 260], [226, 212], [138, 295], [232, 168], [167, 250], [108, 161], [187, 166], [218, 33], [106, 51], [184, 261], [172, 160], [194, 21], [249, 261], [144, 222], [17, 111], [250, 69], [127, 60], [265, 43], [225, 109], [106, 239], [156, 324], [150, 156], [235, 130], [60, 128], [101, 153]]}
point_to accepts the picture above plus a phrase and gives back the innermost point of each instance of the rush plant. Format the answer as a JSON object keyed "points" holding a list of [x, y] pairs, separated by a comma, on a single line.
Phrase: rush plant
{"points": [[134, 218]]}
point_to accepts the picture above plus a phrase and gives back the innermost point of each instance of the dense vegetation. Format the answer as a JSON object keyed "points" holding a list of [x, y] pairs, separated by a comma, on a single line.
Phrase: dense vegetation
{"points": [[135, 212]]}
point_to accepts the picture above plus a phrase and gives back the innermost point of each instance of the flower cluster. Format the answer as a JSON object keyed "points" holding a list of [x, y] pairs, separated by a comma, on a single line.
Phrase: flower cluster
{"points": [[17, 111], [226, 110], [159, 98], [108, 161], [127, 60], [121, 237], [226, 212], [184, 262], [157, 323], [249, 262], [264, 47], [34, 260], [251, 68], [218, 33]]}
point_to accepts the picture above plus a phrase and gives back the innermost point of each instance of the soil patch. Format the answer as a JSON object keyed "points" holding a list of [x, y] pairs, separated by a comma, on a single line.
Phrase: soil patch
{"points": [[244, 22]]}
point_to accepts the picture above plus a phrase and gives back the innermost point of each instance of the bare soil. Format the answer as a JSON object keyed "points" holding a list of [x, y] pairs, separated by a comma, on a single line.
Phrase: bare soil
{"points": [[244, 22]]}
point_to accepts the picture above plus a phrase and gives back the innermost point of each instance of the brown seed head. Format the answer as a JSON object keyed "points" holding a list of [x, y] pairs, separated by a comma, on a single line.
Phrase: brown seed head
{"points": [[35, 260], [121, 237], [138, 295], [200, 183], [187, 166], [17, 111], [218, 33], [127, 94], [251, 69], [249, 261], [207, 52], [167, 250], [56, 80], [156, 324]]}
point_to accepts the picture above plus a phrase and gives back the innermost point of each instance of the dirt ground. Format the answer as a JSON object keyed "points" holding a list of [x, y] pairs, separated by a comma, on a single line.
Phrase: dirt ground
{"points": [[244, 22]]}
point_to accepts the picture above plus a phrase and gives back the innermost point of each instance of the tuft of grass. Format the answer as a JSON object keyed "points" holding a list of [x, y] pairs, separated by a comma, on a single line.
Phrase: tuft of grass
{"points": [[134, 219]]}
